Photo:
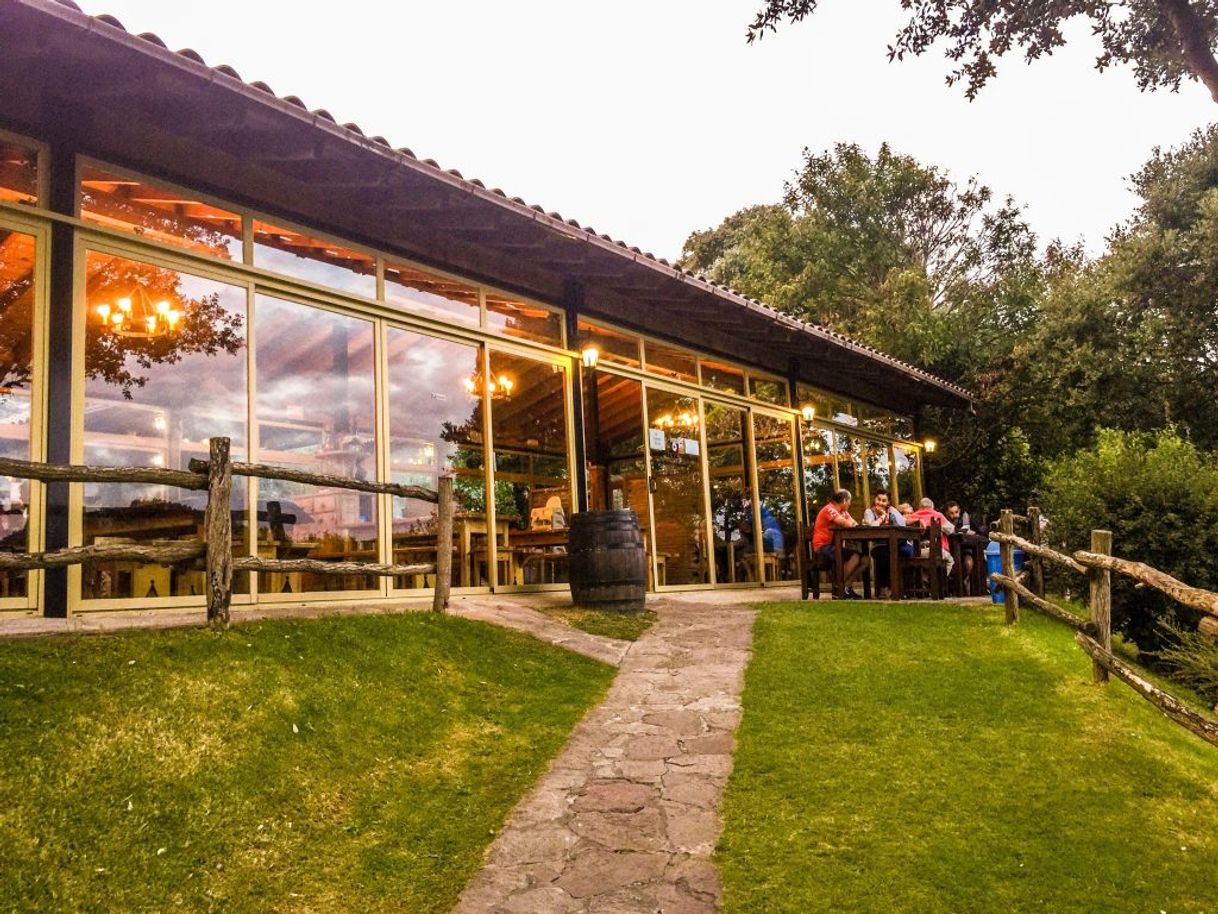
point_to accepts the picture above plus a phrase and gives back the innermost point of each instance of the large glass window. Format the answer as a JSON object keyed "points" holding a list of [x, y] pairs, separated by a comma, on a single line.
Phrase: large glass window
{"points": [[159, 214], [532, 476], [678, 499], [315, 412], [720, 376], [435, 426], [165, 356], [617, 469], [613, 345], [18, 173], [18, 289], [819, 479], [850, 472], [907, 475], [728, 460], [879, 472], [417, 291], [768, 390], [317, 260], [670, 361], [777, 494], [522, 319]]}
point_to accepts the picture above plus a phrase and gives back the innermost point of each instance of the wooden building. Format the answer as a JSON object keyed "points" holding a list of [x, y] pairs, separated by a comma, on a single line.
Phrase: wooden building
{"points": [[184, 254]]}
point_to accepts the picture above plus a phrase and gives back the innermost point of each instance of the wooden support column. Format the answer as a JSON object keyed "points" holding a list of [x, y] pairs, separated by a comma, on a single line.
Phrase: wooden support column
{"points": [[1010, 599], [805, 510], [1035, 562], [444, 546], [572, 304], [1100, 603], [218, 531], [60, 364]]}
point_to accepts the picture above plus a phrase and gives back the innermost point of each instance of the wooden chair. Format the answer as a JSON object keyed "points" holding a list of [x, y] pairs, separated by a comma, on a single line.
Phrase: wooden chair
{"points": [[811, 563], [926, 575]]}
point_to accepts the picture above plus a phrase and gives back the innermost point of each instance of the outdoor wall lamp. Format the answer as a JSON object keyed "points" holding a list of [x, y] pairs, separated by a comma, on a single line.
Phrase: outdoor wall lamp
{"points": [[591, 355], [808, 412], [929, 445]]}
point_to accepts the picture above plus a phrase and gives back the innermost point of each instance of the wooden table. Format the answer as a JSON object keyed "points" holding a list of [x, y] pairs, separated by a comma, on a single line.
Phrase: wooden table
{"points": [[960, 545], [539, 545], [865, 536]]}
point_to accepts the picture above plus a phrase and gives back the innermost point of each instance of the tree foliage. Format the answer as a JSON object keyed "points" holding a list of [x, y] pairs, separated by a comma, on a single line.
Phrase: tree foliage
{"points": [[1165, 41]]}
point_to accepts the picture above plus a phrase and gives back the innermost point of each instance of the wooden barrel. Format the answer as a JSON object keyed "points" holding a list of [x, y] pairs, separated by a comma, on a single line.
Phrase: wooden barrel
{"points": [[608, 566]]}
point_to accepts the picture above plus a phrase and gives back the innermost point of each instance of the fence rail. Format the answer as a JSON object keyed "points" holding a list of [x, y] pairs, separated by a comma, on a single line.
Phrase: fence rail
{"points": [[215, 476], [1094, 635]]}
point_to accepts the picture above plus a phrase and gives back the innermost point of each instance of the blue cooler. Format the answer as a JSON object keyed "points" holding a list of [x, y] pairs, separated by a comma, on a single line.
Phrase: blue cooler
{"points": [[993, 565]]}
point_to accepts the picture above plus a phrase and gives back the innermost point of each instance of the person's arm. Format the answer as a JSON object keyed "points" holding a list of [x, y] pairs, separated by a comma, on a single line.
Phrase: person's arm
{"points": [[843, 519], [898, 519], [947, 525], [869, 518]]}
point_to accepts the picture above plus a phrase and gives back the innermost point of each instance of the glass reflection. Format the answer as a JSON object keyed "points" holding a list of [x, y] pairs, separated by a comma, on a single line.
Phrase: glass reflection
{"points": [[850, 473], [18, 173], [719, 376], [524, 320], [678, 497], [670, 361], [435, 426], [777, 494], [768, 390], [317, 260], [819, 479], [415, 290], [879, 473], [613, 345], [727, 459], [532, 476], [158, 214], [315, 412], [154, 394], [18, 286], [908, 476]]}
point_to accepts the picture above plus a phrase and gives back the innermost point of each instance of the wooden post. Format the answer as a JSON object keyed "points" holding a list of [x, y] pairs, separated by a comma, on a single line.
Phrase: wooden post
{"points": [[1035, 562], [1010, 600], [444, 546], [1101, 601], [218, 531]]}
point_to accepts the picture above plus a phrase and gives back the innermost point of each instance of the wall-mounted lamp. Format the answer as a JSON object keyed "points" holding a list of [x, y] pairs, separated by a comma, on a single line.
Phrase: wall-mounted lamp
{"points": [[929, 445], [591, 355], [809, 412]]}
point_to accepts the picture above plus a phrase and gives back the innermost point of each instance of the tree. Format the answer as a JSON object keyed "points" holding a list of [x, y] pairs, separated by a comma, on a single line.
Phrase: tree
{"points": [[881, 248], [1165, 41]]}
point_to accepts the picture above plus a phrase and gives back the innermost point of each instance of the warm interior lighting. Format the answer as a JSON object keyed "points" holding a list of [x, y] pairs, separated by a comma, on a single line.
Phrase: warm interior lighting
{"points": [[809, 412], [500, 388], [683, 420], [930, 444], [135, 315], [591, 355]]}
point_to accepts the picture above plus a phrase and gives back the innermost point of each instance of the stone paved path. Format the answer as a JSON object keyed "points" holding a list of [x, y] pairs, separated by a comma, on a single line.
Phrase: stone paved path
{"points": [[626, 818], [518, 614]]}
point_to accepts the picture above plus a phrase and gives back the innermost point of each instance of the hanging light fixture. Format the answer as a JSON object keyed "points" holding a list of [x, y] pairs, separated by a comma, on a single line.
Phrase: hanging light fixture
{"points": [[930, 444], [500, 387], [687, 419], [136, 315]]}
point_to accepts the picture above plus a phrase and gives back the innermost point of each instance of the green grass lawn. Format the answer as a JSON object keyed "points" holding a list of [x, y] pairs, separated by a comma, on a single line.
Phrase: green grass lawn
{"points": [[923, 758], [333, 765], [623, 626]]}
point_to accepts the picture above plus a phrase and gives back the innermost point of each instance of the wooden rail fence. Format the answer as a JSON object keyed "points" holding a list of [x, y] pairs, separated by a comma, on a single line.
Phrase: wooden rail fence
{"points": [[1094, 635], [215, 477]]}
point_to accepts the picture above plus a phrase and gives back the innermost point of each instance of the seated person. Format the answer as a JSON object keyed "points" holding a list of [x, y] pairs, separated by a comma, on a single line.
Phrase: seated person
{"points": [[836, 513], [883, 514], [926, 515], [906, 511], [772, 539], [958, 516]]}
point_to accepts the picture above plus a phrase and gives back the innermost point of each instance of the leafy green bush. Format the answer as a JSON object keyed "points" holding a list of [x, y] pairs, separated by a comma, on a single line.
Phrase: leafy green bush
{"points": [[1191, 658], [1159, 496]]}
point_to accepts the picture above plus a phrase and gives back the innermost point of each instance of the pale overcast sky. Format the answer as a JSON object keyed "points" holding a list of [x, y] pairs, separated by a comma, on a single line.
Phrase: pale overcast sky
{"points": [[648, 119]]}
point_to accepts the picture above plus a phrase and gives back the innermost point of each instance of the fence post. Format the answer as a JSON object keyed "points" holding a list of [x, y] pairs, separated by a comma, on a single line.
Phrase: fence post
{"points": [[1010, 602], [444, 545], [1035, 562], [218, 531], [1101, 600]]}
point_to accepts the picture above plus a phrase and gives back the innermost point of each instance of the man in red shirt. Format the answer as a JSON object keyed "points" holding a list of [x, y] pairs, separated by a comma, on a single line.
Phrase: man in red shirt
{"points": [[836, 514]]}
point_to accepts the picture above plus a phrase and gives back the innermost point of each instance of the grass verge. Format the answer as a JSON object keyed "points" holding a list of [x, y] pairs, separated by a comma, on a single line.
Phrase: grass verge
{"points": [[332, 765], [623, 626], [924, 758]]}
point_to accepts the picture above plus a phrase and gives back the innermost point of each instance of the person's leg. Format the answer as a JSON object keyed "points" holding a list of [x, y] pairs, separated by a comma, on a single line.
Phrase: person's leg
{"points": [[880, 555]]}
